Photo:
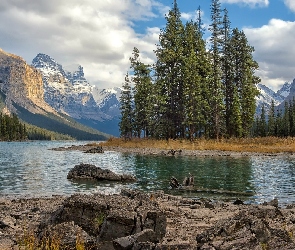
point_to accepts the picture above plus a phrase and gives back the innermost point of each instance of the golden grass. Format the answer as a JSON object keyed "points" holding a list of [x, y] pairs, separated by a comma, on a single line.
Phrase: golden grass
{"points": [[259, 144], [29, 241]]}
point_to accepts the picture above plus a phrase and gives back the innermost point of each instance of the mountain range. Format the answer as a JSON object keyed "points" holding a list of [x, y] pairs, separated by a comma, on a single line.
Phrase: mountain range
{"points": [[48, 95], [267, 95], [22, 92], [67, 91]]}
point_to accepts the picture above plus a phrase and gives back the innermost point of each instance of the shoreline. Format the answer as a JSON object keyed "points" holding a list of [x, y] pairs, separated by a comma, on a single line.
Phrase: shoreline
{"points": [[178, 152], [183, 223]]}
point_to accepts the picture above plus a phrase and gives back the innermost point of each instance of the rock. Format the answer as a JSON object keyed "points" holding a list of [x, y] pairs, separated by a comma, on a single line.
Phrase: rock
{"points": [[147, 236], [108, 218], [88, 171], [95, 150], [238, 202], [274, 203], [250, 228], [68, 236], [7, 244]]}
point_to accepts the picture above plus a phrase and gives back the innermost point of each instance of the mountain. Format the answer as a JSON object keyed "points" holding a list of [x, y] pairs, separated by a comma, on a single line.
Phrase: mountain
{"points": [[22, 91], [67, 91], [267, 95]]}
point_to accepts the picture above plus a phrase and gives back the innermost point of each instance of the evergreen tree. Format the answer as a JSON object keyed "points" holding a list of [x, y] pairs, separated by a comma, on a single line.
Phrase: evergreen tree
{"points": [[126, 122], [286, 121], [271, 120], [215, 85], [169, 81], [244, 68], [262, 123], [194, 80], [142, 90]]}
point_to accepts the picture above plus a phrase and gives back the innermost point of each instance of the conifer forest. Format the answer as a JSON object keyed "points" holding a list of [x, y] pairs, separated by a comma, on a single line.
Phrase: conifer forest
{"points": [[196, 88]]}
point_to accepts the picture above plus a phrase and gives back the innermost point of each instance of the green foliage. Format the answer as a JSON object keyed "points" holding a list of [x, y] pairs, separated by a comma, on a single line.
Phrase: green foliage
{"points": [[193, 92], [280, 122], [11, 129], [126, 123]]}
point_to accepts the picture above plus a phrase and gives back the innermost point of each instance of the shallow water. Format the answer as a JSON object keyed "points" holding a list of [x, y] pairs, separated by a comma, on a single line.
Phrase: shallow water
{"points": [[32, 169]]}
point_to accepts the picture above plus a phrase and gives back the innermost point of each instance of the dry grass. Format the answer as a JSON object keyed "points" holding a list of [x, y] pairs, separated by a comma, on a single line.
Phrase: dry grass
{"points": [[259, 145], [29, 241]]}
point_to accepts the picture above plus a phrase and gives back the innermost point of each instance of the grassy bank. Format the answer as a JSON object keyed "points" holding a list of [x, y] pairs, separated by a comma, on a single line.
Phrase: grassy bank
{"points": [[259, 145]]}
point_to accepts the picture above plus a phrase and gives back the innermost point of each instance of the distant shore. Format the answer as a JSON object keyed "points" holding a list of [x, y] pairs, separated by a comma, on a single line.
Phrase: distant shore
{"points": [[177, 152]]}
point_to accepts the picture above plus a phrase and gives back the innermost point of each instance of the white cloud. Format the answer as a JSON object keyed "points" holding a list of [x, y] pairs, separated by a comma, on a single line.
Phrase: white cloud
{"points": [[251, 3], [290, 4], [274, 51], [99, 35]]}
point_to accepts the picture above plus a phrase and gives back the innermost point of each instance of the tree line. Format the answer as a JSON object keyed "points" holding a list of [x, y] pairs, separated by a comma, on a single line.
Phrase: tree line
{"points": [[278, 122], [191, 91], [11, 129]]}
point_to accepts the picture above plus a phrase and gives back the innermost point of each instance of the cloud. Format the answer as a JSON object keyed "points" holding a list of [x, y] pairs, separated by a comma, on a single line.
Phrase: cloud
{"points": [[274, 51], [290, 4], [99, 35], [251, 3]]}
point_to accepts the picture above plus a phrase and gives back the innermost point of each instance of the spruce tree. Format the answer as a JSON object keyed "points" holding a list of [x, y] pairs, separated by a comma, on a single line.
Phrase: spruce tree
{"points": [[244, 77], [169, 81], [271, 120], [142, 90], [126, 122], [215, 84]]}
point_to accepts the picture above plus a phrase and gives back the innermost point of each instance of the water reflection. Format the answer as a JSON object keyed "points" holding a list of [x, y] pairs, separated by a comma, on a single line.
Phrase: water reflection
{"points": [[30, 168], [228, 175]]}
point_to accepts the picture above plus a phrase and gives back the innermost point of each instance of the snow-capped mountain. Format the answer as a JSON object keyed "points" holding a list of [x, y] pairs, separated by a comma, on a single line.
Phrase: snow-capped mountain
{"points": [[108, 100], [267, 95], [67, 91]]}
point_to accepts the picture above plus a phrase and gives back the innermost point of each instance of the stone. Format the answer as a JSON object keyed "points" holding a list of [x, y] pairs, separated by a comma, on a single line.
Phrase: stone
{"points": [[89, 171], [95, 150]]}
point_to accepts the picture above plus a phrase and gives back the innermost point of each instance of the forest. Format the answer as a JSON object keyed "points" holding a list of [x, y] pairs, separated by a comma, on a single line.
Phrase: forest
{"points": [[279, 122], [11, 129], [195, 88]]}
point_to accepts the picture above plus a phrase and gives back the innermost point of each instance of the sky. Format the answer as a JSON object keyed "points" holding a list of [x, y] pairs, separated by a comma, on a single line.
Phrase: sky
{"points": [[101, 34]]}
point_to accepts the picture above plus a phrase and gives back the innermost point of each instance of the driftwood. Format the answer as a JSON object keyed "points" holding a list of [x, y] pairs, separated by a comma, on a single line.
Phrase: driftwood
{"points": [[188, 181]]}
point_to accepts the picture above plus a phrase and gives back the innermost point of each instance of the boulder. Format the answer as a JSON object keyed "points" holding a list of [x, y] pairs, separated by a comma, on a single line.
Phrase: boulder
{"points": [[108, 218], [88, 171]]}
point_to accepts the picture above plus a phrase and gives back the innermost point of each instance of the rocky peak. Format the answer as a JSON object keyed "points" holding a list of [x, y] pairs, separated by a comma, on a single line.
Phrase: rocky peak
{"points": [[21, 83], [47, 64], [284, 90]]}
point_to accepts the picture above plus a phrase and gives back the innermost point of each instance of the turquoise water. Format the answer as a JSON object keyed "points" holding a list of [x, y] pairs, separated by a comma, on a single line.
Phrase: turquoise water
{"points": [[32, 169]]}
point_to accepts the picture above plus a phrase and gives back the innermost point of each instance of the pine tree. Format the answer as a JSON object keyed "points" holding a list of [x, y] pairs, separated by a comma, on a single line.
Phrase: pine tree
{"points": [[126, 122], [216, 87], [244, 78], [262, 123], [196, 69], [142, 91], [271, 120], [169, 81], [286, 121]]}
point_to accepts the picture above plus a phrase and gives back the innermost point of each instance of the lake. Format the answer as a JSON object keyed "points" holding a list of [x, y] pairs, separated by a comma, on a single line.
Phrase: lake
{"points": [[31, 169]]}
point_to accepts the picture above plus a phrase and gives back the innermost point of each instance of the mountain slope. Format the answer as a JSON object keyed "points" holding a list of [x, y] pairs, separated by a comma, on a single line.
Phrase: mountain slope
{"points": [[21, 92], [67, 91]]}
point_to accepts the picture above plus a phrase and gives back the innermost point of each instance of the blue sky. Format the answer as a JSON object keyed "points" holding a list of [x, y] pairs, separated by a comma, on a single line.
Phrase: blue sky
{"points": [[100, 35]]}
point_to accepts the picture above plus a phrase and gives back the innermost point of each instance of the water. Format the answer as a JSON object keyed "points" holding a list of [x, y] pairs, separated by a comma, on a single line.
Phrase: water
{"points": [[32, 169]]}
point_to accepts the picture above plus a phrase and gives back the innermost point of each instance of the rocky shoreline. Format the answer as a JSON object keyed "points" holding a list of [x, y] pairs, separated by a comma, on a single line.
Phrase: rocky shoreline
{"points": [[135, 220]]}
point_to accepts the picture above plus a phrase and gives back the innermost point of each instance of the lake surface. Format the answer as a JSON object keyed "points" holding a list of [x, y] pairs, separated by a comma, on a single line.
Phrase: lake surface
{"points": [[32, 169]]}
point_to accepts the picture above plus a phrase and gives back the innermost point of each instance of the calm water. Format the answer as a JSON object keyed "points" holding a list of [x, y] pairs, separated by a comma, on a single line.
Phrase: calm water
{"points": [[32, 169]]}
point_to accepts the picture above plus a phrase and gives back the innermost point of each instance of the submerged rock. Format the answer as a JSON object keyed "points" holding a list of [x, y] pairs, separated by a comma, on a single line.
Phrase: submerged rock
{"points": [[88, 171]]}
